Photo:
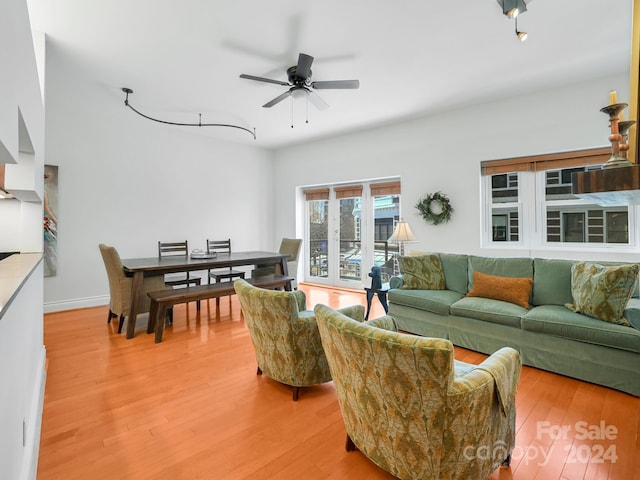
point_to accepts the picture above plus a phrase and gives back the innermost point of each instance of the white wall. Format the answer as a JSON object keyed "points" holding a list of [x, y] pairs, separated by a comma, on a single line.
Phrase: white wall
{"points": [[129, 182], [119, 173], [444, 151]]}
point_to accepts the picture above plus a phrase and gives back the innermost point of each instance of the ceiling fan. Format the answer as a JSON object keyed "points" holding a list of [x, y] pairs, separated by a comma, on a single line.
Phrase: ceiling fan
{"points": [[301, 84]]}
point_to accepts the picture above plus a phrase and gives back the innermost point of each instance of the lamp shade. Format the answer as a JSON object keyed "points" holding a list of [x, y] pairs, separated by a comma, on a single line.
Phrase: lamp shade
{"points": [[402, 233]]}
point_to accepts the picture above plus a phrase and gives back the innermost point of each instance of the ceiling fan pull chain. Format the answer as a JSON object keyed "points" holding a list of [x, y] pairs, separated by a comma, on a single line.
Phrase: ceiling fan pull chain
{"points": [[307, 107]]}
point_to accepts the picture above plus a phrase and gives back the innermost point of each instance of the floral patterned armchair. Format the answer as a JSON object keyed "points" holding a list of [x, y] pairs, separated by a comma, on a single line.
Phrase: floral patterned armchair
{"points": [[414, 410], [285, 335]]}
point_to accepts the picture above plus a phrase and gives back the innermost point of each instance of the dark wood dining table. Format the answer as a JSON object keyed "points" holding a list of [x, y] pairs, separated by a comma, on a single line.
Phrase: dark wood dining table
{"points": [[138, 268]]}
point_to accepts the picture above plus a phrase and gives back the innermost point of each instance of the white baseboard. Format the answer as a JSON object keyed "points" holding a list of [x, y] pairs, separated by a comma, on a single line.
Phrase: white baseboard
{"points": [[76, 303], [34, 424]]}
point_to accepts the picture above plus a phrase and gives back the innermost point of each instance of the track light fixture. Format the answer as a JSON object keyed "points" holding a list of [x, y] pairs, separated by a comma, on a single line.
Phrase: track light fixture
{"points": [[512, 8], [522, 36], [128, 91]]}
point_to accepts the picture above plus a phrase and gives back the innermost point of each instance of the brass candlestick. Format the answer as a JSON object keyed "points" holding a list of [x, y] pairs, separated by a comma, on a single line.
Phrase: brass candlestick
{"points": [[616, 159]]}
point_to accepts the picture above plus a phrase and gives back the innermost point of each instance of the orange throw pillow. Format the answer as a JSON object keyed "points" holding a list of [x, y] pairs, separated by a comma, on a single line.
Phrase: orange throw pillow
{"points": [[507, 289]]}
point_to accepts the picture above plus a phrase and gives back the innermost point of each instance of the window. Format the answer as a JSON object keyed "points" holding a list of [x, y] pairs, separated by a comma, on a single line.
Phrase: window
{"points": [[529, 201], [570, 220], [347, 231], [317, 231], [504, 207]]}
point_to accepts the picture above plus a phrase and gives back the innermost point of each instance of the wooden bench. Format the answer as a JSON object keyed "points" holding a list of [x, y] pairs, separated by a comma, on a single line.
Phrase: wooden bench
{"points": [[162, 300]]}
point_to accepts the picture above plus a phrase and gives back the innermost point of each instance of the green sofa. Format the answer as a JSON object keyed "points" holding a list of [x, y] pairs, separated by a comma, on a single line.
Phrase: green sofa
{"points": [[547, 334]]}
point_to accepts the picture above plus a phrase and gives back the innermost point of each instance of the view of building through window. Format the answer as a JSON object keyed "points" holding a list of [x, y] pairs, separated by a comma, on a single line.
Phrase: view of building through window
{"points": [[318, 233], [566, 218], [339, 251]]}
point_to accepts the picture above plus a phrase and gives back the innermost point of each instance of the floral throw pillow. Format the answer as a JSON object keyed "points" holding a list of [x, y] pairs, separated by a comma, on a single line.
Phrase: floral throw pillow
{"points": [[422, 272], [602, 291]]}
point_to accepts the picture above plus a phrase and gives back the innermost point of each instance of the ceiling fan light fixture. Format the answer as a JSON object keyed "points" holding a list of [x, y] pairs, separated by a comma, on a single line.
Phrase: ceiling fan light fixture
{"points": [[299, 93]]}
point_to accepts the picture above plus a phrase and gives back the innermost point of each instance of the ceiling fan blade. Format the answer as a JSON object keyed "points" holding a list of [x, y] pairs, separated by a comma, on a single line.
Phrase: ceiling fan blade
{"points": [[278, 99], [343, 84], [318, 102], [303, 69], [262, 79]]}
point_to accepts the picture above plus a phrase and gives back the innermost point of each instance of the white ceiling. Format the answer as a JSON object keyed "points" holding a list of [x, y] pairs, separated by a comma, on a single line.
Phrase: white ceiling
{"points": [[412, 57]]}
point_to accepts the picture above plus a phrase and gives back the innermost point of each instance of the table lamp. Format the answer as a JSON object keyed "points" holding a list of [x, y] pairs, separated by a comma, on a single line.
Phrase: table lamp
{"points": [[401, 235]]}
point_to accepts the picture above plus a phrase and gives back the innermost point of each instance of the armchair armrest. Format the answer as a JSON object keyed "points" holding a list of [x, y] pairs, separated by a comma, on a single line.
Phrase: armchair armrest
{"points": [[356, 312], [486, 416], [385, 322], [396, 282], [503, 367], [301, 299], [308, 317]]}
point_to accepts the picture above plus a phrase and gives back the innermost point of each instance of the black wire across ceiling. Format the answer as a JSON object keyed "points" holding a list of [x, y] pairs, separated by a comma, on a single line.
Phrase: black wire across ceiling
{"points": [[127, 91]]}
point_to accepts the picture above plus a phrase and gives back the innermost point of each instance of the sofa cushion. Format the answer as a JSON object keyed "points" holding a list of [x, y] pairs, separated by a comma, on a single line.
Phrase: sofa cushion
{"points": [[489, 310], [422, 272], [456, 268], [435, 301], [551, 281], [602, 292], [502, 267], [561, 322], [507, 289]]}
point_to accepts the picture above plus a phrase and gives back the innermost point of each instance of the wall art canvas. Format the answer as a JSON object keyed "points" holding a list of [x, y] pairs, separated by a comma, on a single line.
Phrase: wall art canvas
{"points": [[50, 220]]}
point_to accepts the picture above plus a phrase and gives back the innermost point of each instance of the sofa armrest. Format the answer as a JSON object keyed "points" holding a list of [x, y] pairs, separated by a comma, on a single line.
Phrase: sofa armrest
{"points": [[396, 282], [632, 312]]}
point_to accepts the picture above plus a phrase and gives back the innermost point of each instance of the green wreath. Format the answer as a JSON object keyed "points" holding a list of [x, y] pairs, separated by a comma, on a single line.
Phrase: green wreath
{"points": [[443, 210]]}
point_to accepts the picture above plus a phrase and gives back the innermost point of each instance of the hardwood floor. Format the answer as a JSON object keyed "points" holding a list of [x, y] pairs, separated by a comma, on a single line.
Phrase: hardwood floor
{"points": [[193, 407]]}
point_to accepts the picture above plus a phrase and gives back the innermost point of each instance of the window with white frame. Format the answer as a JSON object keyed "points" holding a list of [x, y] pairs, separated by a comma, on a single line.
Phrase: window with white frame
{"points": [[529, 201], [505, 213]]}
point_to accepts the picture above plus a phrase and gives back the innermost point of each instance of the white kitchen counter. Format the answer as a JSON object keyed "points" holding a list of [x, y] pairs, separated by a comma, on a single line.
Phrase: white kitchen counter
{"points": [[14, 271]]}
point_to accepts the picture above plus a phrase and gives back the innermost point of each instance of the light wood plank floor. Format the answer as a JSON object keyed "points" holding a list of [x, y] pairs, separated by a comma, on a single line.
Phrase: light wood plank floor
{"points": [[193, 407]]}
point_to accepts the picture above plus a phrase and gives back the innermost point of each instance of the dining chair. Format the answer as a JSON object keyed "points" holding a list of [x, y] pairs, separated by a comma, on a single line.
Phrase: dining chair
{"points": [[168, 249], [290, 246], [120, 287], [222, 246], [227, 274]]}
